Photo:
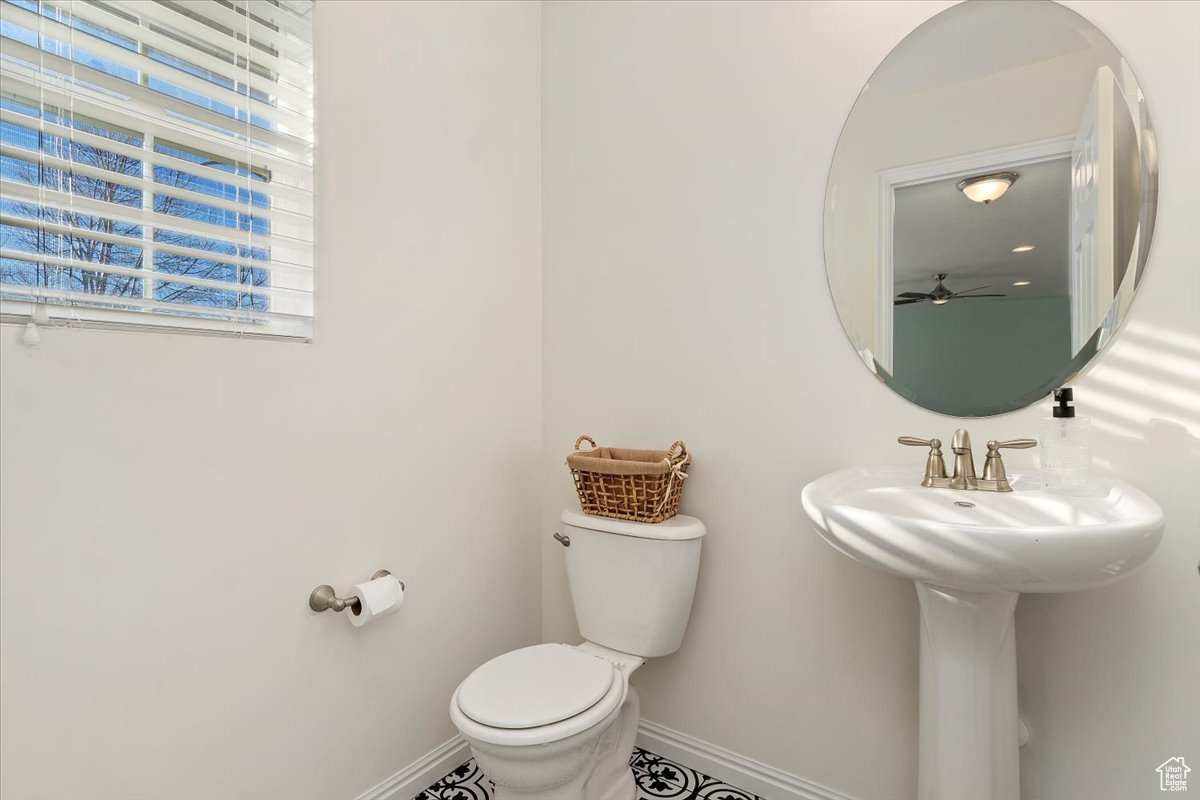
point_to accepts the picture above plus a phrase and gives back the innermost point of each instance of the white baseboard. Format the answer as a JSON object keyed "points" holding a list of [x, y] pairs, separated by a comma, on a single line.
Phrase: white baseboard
{"points": [[726, 765], [422, 773]]}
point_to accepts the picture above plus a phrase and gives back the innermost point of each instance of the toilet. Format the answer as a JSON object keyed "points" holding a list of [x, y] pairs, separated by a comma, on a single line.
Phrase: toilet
{"points": [[557, 721]]}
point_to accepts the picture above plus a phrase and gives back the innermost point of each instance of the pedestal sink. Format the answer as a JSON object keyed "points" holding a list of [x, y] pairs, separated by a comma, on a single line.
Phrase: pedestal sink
{"points": [[971, 553]]}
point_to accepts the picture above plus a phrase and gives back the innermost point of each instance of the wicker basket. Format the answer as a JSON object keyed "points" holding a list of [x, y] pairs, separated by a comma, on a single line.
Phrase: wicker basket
{"points": [[640, 485]]}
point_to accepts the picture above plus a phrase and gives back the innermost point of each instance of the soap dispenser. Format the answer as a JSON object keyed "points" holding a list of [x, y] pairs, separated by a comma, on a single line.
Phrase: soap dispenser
{"points": [[1066, 455]]}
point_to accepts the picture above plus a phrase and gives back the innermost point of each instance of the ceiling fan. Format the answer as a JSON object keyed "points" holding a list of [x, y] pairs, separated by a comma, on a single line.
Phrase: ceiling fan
{"points": [[940, 294]]}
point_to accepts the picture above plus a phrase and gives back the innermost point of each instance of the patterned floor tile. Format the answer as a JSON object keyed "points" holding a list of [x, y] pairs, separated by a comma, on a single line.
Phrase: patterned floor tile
{"points": [[723, 791], [656, 778], [467, 782]]}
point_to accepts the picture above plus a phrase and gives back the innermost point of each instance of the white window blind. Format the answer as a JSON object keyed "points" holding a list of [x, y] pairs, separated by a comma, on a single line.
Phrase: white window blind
{"points": [[156, 162]]}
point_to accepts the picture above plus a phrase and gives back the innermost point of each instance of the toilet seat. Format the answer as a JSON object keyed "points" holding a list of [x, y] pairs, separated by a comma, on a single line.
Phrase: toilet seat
{"points": [[536, 695], [534, 686]]}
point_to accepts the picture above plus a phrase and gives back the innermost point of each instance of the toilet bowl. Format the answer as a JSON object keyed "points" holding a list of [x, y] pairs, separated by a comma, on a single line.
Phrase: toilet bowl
{"points": [[558, 722], [552, 721]]}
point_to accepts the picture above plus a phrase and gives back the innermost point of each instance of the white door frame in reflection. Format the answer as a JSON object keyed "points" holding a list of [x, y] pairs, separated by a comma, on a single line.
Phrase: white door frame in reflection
{"points": [[888, 181]]}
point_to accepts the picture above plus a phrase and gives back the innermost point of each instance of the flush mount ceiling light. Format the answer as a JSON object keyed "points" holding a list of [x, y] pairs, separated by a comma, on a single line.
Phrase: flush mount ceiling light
{"points": [[1021, 283], [986, 188], [1025, 248]]}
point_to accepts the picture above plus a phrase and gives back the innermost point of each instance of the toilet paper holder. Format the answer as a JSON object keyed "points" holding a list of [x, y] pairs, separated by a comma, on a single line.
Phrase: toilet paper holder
{"points": [[323, 598]]}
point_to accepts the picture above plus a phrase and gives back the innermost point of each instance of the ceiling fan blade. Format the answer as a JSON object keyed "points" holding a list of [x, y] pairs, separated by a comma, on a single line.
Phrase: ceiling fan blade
{"points": [[976, 289], [969, 296], [907, 302], [914, 295]]}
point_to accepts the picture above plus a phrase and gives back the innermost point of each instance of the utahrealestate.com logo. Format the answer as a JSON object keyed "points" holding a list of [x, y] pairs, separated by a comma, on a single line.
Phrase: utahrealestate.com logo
{"points": [[1172, 775]]}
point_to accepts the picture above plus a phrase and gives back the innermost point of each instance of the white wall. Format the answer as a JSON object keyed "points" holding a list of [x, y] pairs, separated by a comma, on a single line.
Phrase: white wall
{"points": [[685, 150], [168, 502]]}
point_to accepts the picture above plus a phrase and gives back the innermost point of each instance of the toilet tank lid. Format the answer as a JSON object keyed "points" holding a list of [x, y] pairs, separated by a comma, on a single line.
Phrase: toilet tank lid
{"points": [[676, 528]]}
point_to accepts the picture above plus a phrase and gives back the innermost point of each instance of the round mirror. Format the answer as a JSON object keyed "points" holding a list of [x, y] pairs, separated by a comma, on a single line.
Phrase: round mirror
{"points": [[990, 206]]}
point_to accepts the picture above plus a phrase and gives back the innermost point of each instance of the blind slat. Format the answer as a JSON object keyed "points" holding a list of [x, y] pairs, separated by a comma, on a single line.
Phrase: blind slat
{"points": [[298, 25], [133, 242], [109, 19], [137, 215], [142, 184], [152, 102], [150, 68], [144, 274], [275, 190], [57, 91], [294, 70], [241, 24], [82, 300]]}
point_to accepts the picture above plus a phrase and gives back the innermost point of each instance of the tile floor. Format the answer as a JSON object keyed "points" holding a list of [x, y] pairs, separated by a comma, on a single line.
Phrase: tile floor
{"points": [[656, 778]]}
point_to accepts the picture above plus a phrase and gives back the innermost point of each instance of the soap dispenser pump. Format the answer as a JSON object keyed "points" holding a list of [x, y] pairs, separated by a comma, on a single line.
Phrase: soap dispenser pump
{"points": [[1066, 456]]}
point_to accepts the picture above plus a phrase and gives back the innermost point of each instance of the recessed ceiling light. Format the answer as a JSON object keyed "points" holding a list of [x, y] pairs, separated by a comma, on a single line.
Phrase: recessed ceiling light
{"points": [[986, 188], [1021, 283], [1025, 248]]}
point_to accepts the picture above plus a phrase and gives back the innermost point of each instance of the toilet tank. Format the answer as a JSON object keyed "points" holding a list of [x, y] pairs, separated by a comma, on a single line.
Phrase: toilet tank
{"points": [[632, 583]]}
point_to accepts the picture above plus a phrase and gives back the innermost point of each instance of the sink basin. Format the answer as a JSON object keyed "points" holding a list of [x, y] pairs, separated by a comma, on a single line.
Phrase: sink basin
{"points": [[971, 553], [1027, 540]]}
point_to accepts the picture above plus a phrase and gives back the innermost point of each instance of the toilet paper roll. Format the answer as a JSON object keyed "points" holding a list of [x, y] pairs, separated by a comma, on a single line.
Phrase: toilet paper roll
{"points": [[375, 599]]}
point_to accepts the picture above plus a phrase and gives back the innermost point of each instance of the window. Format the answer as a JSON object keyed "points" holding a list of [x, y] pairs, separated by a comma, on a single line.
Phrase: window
{"points": [[156, 163]]}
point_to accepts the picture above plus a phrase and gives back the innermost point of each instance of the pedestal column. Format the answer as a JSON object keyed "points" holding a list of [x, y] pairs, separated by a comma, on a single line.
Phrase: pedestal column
{"points": [[968, 705]]}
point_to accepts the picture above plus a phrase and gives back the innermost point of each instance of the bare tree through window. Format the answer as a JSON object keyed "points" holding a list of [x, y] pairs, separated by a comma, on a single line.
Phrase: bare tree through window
{"points": [[90, 238]]}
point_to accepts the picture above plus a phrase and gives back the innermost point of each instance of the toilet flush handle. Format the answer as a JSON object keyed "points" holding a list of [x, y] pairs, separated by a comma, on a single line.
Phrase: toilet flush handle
{"points": [[565, 541]]}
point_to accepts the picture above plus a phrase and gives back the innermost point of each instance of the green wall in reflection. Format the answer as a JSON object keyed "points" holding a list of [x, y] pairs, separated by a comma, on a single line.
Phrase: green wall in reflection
{"points": [[971, 356]]}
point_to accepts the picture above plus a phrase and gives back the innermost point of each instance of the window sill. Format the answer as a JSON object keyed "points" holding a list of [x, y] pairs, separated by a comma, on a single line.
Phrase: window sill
{"points": [[16, 312]]}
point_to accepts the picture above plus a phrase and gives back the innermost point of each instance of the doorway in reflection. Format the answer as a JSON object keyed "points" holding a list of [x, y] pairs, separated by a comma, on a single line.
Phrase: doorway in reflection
{"points": [[982, 284]]}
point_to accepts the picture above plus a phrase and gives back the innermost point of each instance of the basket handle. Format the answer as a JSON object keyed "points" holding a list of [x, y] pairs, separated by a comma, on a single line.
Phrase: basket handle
{"points": [[683, 452], [585, 438]]}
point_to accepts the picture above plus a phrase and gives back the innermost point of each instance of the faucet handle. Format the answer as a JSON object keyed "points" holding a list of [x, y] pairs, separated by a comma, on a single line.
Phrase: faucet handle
{"points": [[935, 464], [1015, 444], [995, 477]]}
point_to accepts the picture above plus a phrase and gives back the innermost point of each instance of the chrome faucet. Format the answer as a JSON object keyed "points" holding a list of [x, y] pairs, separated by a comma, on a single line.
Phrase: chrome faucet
{"points": [[995, 477]]}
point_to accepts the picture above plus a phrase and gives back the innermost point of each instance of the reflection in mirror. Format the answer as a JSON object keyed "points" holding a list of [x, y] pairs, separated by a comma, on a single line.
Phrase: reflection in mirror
{"points": [[990, 206]]}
